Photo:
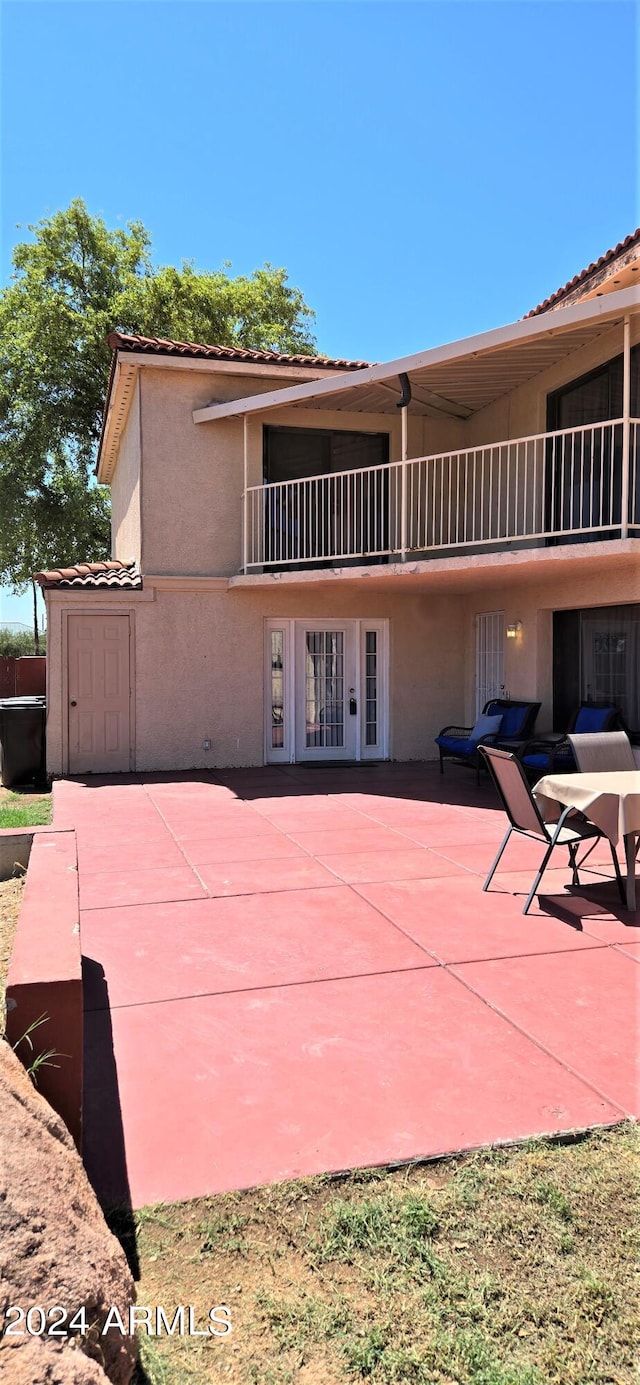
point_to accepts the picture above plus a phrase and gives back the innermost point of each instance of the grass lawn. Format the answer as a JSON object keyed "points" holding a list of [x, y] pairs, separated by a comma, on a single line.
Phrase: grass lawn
{"points": [[511, 1267], [25, 809]]}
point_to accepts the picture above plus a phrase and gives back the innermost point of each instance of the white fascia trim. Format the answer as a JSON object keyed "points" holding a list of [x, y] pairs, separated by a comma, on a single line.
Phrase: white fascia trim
{"points": [[123, 383], [610, 305], [209, 366]]}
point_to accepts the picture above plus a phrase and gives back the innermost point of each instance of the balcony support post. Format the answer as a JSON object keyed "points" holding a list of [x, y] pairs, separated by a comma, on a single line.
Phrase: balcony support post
{"points": [[245, 495], [626, 427], [403, 484]]}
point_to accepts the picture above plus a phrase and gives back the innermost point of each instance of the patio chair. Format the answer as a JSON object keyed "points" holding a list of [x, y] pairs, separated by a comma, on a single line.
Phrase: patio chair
{"points": [[525, 819], [511, 723], [553, 754], [602, 751]]}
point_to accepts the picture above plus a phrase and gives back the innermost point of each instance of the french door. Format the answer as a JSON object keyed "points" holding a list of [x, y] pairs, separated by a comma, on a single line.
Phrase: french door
{"points": [[326, 693], [326, 686]]}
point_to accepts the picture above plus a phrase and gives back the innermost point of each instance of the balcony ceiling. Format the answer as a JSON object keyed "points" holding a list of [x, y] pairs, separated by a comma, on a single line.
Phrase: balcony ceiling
{"points": [[460, 387], [459, 378]]}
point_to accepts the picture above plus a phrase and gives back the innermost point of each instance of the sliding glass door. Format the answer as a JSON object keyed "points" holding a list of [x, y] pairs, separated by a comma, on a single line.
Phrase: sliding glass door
{"points": [[340, 509], [596, 658], [584, 469]]}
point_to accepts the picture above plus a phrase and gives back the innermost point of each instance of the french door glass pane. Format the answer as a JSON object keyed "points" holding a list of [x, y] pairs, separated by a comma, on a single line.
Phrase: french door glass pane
{"points": [[277, 689], [324, 688], [371, 687]]}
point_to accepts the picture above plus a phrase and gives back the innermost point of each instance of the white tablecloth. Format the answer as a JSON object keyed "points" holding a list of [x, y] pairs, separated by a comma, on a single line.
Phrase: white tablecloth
{"points": [[611, 800]]}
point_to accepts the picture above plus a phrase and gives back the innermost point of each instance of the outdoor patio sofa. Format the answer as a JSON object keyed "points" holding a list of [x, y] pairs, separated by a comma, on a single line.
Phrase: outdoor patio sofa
{"points": [[553, 754], [504, 723]]}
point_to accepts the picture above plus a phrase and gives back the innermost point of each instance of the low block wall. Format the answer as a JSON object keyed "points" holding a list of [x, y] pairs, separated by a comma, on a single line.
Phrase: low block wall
{"points": [[15, 850], [45, 974]]}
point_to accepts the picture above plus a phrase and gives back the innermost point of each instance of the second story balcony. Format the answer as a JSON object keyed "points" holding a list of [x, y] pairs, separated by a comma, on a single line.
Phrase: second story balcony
{"points": [[568, 486]]}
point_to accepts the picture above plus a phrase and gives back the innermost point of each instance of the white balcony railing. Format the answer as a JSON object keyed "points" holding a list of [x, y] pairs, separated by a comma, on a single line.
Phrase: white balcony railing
{"points": [[557, 485]]}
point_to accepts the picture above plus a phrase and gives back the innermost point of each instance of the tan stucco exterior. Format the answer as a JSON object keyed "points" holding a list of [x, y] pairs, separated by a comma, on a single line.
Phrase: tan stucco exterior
{"points": [[197, 628], [532, 599], [198, 650], [199, 660], [193, 477]]}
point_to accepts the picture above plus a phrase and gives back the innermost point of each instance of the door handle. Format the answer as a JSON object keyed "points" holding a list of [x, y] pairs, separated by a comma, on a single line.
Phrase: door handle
{"points": [[353, 705], [73, 702]]}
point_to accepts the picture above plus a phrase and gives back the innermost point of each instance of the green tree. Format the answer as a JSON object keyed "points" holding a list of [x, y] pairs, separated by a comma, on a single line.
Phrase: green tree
{"points": [[72, 283]]}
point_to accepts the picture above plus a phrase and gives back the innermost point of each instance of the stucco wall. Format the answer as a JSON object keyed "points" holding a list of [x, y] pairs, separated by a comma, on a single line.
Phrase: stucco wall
{"points": [[194, 473], [126, 537], [528, 660], [56, 708], [198, 655], [190, 501], [200, 660]]}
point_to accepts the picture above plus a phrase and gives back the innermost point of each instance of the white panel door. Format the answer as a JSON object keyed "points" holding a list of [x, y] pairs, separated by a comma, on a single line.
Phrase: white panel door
{"points": [[99, 694], [489, 657]]}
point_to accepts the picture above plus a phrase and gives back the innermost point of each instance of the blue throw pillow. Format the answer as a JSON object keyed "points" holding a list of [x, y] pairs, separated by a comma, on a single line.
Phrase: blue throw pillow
{"points": [[486, 726]]}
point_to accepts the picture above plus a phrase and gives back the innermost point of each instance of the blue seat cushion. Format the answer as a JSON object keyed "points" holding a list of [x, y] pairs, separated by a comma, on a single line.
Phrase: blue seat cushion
{"points": [[591, 719], [542, 760], [456, 745]]}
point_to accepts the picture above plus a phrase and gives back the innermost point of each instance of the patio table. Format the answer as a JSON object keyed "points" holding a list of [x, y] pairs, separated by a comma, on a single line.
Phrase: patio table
{"points": [[609, 799]]}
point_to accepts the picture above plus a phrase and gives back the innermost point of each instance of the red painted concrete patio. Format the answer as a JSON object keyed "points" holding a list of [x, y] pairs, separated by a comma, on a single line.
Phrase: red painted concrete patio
{"points": [[295, 970]]}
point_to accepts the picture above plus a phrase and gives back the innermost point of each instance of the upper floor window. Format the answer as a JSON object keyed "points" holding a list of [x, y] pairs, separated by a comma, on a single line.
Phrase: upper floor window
{"points": [[595, 397], [293, 453]]}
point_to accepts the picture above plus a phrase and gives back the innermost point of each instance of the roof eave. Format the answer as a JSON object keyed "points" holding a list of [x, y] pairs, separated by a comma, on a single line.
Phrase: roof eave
{"points": [[125, 364], [528, 329]]}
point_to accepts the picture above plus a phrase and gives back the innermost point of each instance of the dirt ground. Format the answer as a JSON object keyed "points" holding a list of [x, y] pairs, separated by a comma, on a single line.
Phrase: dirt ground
{"points": [[510, 1267]]}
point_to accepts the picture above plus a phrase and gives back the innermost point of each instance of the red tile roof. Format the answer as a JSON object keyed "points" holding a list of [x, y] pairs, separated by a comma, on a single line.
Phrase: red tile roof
{"points": [[113, 574], [160, 346], [584, 274]]}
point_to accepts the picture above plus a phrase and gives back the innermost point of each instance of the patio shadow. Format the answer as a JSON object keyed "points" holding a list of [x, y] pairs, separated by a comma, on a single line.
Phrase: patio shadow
{"points": [[104, 1151], [589, 900]]}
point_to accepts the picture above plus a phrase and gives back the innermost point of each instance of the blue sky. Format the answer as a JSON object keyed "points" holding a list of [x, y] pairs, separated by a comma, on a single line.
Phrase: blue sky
{"points": [[423, 171]]}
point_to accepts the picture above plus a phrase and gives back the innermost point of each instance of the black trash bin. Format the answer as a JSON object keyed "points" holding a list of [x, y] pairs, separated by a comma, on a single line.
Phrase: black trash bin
{"points": [[22, 740]]}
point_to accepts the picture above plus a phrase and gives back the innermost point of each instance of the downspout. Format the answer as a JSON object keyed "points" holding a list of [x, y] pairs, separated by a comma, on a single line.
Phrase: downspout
{"points": [[245, 494], [403, 404]]}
